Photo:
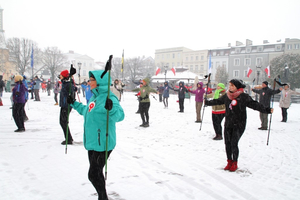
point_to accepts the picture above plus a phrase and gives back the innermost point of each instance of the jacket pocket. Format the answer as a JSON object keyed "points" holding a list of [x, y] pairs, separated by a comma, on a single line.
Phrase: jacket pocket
{"points": [[99, 137]]}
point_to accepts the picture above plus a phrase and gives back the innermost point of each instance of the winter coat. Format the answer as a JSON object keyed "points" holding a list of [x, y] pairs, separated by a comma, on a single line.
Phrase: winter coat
{"points": [[218, 109], [285, 99], [181, 90], [145, 91], [199, 92], [19, 92], [95, 116], [236, 112], [64, 93], [88, 92], [2, 84], [265, 95], [160, 89], [26, 85], [37, 84], [166, 91], [57, 87], [49, 85]]}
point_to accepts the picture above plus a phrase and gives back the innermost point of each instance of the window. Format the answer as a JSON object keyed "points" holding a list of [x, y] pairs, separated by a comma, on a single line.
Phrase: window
{"points": [[247, 62], [245, 73], [173, 55], [197, 57], [168, 56], [222, 53], [259, 61], [192, 58], [236, 73], [202, 57], [201, 67], [248, 50], [178, 55], [212, 65], [162, 56], [259, 49], [236, 62], [191, 67], [214, 53], [278, 48], [186, 58], [289, 46], [196, 68], [224, 64], [84, 72], [237, 50], [296, 46]]}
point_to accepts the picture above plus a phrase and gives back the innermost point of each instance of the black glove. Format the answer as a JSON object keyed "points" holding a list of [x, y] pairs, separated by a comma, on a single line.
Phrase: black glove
{"points": [[72, 71], [70, 99], [205, 102], [108, 104]]}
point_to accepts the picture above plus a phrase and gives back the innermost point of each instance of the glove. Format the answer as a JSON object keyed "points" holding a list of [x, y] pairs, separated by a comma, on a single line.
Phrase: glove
{"points": [[72, 71], [108, 104], [205, 102], [189, 90], [70, 100]]}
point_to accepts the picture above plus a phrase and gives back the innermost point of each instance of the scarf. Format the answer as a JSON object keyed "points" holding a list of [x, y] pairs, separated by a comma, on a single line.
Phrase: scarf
{"points": [[235, 94], [217, 93]]}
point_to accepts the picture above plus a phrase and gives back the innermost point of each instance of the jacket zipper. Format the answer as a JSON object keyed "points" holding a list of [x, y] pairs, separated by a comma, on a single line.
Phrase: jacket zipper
{"points": [[99, 137]]}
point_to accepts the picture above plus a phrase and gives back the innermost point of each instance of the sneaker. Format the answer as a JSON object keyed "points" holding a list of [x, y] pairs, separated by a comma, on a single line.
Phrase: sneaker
{"points": [[142, 125], [69, 142], [20, 130]]}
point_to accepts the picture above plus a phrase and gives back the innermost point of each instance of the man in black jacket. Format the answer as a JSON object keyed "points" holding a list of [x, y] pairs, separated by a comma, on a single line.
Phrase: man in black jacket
{"points": [[265, 94]]}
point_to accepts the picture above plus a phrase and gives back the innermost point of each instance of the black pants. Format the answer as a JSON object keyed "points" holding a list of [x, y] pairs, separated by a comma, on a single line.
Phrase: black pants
{"points": [[284, 114], [37, 94], [18, 114], [217, 120], [144, 111], [63, 119], [232, 137], [181, 105], [97, 163], [160, 97], [165, 99], [55, 97]]}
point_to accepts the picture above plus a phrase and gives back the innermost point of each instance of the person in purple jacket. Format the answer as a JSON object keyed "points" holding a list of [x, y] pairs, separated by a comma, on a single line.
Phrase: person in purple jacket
{"points": [[18, 94], [199, 92]]}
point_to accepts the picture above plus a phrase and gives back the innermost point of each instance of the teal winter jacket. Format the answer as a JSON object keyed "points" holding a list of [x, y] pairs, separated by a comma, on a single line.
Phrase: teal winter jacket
{"points": [[95, 116]]}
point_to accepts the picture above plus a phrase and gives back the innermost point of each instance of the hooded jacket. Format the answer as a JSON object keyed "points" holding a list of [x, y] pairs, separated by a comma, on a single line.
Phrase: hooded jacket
{"points": [[95, 116], [199, 92], [145, 91], [166, 91], [181, 90], [285, 99], [19, 92]]}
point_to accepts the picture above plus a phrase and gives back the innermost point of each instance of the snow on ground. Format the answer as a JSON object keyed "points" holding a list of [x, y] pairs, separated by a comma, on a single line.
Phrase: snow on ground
{"points": [[170, 160]]}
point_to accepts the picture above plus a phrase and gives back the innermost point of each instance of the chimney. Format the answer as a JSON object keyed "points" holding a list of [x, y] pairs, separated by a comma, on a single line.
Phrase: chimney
{"points": [[238, 43], [265, 42], [248, 42]]}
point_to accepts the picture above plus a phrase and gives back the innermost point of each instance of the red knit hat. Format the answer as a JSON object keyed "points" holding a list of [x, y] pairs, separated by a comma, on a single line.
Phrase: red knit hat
{"points": [[65, 73]]}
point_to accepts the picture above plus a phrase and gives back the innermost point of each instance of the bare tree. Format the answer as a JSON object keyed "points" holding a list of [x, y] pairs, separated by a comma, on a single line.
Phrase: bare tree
{"points": [[116, 69], [20, 52], [221, 75], [53, 60]]}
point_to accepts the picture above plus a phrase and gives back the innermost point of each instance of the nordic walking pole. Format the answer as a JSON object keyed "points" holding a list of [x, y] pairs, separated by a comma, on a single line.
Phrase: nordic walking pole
{"points": [[72, 72], [274, 84], [208, 80], [107, 68]]}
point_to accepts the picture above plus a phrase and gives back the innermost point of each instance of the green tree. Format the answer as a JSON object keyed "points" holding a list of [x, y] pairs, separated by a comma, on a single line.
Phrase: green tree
{"points": [[287, 66]]}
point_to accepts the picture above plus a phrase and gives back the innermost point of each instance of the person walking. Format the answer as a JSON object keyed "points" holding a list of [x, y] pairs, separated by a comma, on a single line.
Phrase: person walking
{"points": [[181, 95], [18, 94], [199, 92], [2, 86], [145, 101], [236, 103], [166, 94], [265, 94], [218, 111], [95, 122], [285, 100], [49, 87], [84, 83], [160, 90], [37, 86], [66, 89]]}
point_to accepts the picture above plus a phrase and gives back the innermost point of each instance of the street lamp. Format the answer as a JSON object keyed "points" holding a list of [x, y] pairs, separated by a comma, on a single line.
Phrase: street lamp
{"points": [[79, 67], [166, 69]]}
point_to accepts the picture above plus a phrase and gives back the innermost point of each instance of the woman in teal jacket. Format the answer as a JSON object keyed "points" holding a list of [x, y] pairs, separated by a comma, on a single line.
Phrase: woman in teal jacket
{"points": [[95, 119]]}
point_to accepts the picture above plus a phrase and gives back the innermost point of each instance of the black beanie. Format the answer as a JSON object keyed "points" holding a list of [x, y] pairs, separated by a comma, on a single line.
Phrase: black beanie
{"points": [[238, 83], [266, 83]]}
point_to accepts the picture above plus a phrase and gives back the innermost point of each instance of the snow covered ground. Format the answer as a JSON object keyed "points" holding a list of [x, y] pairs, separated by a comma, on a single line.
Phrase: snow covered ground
{"points": [[170, 160]]}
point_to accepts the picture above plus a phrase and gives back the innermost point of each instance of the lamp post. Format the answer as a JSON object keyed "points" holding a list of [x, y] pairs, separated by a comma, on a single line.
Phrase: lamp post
{"points": [[166, 69], [79, 67], [286, 73]]}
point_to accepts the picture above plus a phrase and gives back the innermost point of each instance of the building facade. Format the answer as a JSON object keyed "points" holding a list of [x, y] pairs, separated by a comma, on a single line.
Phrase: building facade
{"points": [[195, 61]]}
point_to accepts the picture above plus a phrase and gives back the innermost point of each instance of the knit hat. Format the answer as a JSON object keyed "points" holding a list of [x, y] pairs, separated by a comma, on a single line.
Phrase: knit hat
{"points": [[65, 73], [266, 83], [221, 85], [18, 78], [237, 83]]}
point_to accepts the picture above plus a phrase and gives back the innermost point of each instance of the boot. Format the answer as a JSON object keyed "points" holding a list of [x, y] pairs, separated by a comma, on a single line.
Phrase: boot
{"points": [[233, 167], [229, 163], [218, 137], [56, 104]]}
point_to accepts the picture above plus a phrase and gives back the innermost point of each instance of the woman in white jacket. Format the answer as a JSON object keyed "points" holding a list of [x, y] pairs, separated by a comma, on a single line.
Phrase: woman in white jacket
{"points": [[285, 100]]}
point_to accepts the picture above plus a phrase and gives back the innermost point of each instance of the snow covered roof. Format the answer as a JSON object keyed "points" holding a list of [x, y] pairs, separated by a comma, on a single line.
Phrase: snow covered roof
{"points": [[185, 75]]}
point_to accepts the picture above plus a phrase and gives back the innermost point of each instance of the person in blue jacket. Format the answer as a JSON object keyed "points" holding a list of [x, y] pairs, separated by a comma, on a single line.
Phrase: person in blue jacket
{"points": [[87, 91], [166, 93], [95, 122], [26, 97]]}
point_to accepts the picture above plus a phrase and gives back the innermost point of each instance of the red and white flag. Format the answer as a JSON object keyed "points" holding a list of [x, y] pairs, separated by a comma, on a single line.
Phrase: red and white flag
{"points": [[157, 70], [267, 70], [174, 70], [249, 71]]}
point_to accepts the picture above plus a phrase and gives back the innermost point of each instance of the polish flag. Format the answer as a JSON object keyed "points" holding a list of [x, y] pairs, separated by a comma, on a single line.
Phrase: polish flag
{"points": [[174, 70], [267, 70], [249, 71], [157, 70]]}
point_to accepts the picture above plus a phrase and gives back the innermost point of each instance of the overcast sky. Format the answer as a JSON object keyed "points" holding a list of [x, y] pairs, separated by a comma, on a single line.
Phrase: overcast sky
{"points": [[99, 28]]}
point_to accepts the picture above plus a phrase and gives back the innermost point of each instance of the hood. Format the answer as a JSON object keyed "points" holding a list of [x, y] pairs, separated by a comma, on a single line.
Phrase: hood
{"points": [[102, 83], [200, 83], [181, 83], [166, 83], [147, 81]]}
